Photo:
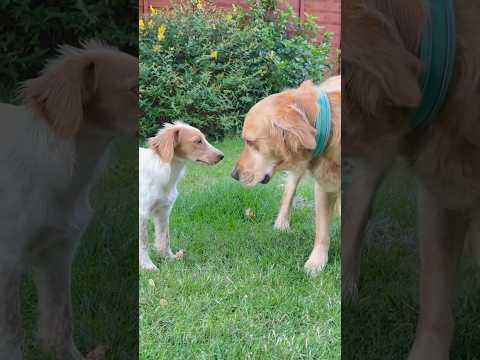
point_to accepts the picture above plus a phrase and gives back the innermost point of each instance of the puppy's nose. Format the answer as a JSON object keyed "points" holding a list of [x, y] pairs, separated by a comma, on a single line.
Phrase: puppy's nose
{"points": [[235, 173], [220, 157]]}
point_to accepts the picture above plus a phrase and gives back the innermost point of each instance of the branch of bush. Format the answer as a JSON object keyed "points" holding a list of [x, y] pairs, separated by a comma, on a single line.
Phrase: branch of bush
{"points": [[208, 67]]}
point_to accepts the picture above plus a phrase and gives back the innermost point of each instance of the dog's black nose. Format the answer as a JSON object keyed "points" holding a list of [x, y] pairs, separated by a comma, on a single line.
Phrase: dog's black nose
{"points": [[220, 157], [235, 173], [266, 179]]}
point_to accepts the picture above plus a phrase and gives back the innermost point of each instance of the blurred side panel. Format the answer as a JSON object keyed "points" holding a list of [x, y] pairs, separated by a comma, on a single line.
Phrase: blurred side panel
{"points": [[69, 179], [411, 175]]}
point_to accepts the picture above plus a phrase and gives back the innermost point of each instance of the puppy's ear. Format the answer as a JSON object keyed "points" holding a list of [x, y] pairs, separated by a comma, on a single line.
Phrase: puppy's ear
{"points": [[377, 62], [164, 143], [295, 129], [61, 92]]}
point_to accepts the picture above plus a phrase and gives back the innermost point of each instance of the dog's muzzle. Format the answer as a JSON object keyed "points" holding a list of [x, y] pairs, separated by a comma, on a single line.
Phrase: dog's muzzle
{"points": [[266, 179], [235, 174]]}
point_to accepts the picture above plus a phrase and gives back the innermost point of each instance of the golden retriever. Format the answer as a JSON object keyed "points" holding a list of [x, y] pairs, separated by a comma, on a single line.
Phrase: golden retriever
{"points": [[381, 72], [279, 134]]}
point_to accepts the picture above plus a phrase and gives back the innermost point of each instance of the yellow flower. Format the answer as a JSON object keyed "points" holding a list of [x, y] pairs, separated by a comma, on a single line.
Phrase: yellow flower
{"points": [[229, 18], [214, 54], [157, 48], [150, 24], [141, 25], [153, 11], [200, 4], [161, 32]]}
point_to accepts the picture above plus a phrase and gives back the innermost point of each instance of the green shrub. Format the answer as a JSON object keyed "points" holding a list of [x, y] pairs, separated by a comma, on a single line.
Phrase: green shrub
{"points": [[209, 67], [32, 30]]}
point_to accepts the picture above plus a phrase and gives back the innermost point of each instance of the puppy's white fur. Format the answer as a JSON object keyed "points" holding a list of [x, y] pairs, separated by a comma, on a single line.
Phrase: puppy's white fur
{"points": [[157, 194], [158, 178]]}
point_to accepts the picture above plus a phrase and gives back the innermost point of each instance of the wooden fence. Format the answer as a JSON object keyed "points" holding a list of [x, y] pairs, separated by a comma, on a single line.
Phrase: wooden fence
{"points": [[327, 12]]}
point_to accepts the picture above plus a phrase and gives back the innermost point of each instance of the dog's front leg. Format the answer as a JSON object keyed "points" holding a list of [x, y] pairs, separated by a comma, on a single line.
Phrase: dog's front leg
{"points": [[11, 337], [52, 275], [283, 218], [162, 231], [441, 237], [143, 258], [324, 205], [358, 201]]}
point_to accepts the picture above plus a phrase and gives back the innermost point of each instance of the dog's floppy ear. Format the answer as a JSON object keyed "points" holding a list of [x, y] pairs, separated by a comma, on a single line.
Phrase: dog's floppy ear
{"points": [[295, 129], [306, 84], [60, 93], [378, 64], [164, 143]]}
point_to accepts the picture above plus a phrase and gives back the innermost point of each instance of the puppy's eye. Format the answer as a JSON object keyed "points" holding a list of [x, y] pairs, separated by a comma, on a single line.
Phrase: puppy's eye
{"points": [[198, 141]]}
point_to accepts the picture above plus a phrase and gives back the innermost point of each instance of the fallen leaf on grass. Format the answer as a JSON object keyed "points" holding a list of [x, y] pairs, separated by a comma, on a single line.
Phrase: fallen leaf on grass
{"points": [[151, 283], [163, 302], [180, 254], [250, 214]]}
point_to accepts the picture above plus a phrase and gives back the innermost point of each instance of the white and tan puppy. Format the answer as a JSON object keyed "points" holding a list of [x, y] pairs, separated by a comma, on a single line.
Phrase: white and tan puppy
{"points": [[161, 166], [279, 134], [51, 150]]}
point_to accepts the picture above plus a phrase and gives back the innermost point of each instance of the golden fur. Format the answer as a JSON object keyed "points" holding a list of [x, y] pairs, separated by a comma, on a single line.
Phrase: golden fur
{"points": [[279, 133], [185, 142], [64, 93], [381, 80]]}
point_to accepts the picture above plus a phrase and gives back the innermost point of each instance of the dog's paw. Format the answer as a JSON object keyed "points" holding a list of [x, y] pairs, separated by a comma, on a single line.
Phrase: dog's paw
{"points": [[281, 224], [430, 347], [147, 264], [349, 290], [316, 262], [166, 253], [350, 281], [69, 352], [99, 353]]}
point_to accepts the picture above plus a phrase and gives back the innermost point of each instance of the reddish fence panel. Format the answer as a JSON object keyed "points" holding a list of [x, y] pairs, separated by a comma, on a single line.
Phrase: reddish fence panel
{"points": [[327, 12]]}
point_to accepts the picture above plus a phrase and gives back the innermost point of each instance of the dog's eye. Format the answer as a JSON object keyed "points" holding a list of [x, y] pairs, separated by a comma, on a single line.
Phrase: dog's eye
{"points": [[251, 144], [198, 141]]}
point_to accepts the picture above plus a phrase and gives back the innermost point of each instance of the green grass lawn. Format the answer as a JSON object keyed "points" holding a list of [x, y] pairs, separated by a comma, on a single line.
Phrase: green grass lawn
{"points": [[381, 323], [240, 292]]}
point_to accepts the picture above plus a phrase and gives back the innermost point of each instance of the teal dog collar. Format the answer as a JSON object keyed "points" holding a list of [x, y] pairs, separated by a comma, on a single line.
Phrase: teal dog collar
{"points": [[437, 53], [323, 124]]}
